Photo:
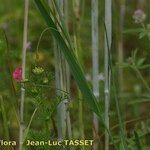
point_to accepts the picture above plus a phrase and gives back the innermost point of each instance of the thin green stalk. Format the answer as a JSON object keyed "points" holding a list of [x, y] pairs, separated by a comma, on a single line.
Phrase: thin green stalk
{"points": [[62, 24], [137, 141], [95, 64], [108, 40], [67, 74], [80, 97], [25, 31], [29, 124], [62, 77], [5, 122], [61, 125], [9, 65], [81, 123], [61, 110], [77, 45], [120, 43], [123, 137]]}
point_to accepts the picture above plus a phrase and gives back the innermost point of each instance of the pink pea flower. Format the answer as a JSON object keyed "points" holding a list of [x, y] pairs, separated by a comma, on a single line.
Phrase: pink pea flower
{"points": [[139, 16], [17, 74]]}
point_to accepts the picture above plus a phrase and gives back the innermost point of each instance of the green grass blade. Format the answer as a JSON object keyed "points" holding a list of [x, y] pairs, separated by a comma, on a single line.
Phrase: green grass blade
{"points": [[4, 117], [71, 59], [63, 27], [114, 81], [137, 141]]}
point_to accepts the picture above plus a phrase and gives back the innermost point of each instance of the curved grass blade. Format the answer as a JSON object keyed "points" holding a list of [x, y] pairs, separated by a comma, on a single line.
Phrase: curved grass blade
{"points": [[72, 61]]}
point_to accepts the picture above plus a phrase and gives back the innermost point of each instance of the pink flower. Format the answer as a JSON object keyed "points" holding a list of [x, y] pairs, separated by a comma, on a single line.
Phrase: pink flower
{"points": [[139, 16], [17, 74]]}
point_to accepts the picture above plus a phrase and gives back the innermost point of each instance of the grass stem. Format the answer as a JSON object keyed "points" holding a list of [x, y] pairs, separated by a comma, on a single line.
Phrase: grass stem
{"points": [[95, 63], [25, 31], [107, 72]]}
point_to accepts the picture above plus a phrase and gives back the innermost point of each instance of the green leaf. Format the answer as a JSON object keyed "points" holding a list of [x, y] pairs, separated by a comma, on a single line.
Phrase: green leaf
{"points": [[124, 65], [72, 61], [140, 61], [134, 55], [144, 66], [142, 34]]}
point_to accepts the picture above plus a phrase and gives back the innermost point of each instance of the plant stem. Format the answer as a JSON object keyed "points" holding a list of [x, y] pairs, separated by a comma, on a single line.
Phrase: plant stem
{"points": [[95, 60], [78, 52], [29, 124], [108, 23], [67, 72], [61, 125], [120, 43], [63, 83], [26, 10], [114, 81]]}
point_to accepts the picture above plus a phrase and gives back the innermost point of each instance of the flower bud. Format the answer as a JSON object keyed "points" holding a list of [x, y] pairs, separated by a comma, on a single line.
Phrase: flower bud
{"points": [[38, 70], [45, 80]]}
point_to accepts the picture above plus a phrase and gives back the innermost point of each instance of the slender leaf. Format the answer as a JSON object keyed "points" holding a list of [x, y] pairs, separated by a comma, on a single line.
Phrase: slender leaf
{"points": [[114, 81], [138, 30], [5, 123], [144, 66]]}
